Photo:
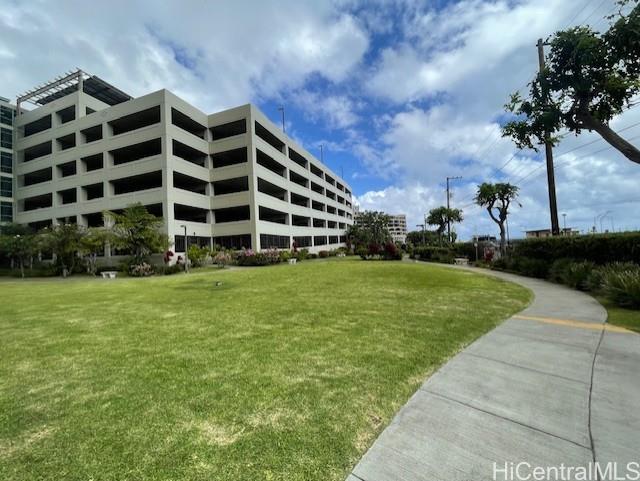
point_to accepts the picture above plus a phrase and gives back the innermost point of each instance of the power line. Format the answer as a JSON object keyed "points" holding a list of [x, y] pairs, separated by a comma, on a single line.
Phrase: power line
{"points": [[577, 158], [578, 12], [594, 11], [600, 139]]}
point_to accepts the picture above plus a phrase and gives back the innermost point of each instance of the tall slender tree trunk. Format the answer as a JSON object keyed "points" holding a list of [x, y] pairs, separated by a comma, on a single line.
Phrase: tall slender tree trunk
{"points": [[503, 238]]}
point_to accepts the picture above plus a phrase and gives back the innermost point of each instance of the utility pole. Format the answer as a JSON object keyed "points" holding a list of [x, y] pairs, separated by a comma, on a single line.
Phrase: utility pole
{"points": [[548, 148], [448, 197], [281, 110], [421, 225]]}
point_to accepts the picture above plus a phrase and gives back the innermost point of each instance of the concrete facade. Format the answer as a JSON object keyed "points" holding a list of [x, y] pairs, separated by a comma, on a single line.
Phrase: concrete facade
{"points": [[398, 227], [7, 115], [231, 178]]}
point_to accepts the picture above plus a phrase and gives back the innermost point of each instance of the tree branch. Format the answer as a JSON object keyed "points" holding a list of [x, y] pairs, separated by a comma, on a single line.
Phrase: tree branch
{"points": [[610, 136]]}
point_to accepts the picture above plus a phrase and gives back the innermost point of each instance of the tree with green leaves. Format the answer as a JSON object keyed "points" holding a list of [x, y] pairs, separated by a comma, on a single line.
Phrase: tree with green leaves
{"points": [[63, 240], [93, 243], [589, 78], [497, 198], [138, 231], [443, 216], [428, 237], [370, 233], [19, 243]]}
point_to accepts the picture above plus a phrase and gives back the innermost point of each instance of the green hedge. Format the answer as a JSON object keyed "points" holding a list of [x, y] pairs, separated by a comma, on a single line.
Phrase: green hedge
{"points": [[434, 254], [597, 248]]}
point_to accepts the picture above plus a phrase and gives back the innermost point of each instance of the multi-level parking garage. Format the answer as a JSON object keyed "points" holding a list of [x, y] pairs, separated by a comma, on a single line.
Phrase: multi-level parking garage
{"points": [[231, 178]]}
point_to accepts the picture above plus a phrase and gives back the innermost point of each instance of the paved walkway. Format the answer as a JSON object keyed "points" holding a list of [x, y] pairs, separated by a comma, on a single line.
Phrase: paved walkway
{"points": [[553, 384]]}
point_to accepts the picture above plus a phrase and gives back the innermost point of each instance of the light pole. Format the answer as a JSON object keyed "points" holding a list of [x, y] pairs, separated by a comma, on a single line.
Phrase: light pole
{"points": [[186, 248], [281, 110], [421, 225], [448, 198], [564, 221]]}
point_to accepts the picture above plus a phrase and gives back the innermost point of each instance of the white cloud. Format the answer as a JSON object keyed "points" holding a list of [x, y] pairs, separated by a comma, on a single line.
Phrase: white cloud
{"points": [[216, 55], [332, 111]]}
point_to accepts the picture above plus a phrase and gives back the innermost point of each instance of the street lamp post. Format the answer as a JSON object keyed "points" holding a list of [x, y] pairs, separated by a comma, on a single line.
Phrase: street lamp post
{"points": [[186, 248]]}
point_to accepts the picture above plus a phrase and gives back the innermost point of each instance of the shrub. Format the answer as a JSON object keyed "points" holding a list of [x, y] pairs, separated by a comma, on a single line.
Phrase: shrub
{"points": [[285, 256], [391, 251], [598, 248], [596, 279], [167, 270], [222, 259], [435, 254], [197, 255], [623, 287], [323, 254], [248, 257], [302, 254], [141, 270], [313, 256], [528, 267], [558, 268], [576, 274], [465, 249]]}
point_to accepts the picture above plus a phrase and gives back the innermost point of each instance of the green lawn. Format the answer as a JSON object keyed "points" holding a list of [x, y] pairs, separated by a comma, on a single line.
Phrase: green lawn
{"points": [[619, 316], [282, 373]]}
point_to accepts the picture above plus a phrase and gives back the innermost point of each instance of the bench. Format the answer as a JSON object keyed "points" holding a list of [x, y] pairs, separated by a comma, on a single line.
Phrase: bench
{"points": [[461, 261], [109, 274]]}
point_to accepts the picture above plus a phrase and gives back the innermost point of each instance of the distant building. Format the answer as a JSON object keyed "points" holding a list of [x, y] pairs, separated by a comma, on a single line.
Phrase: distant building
{"points": [[397, 224], [398, 227], [567, 231], [484, 238], [7, 116]]}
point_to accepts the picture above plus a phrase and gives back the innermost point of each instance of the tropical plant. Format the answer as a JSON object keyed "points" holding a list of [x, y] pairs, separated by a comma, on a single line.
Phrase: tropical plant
{"points": [[19, 243], [371, 233], [197, 255], [589, 79], [497, 198], [623, 287], [442, 217], [64, 241], [138, 231]]}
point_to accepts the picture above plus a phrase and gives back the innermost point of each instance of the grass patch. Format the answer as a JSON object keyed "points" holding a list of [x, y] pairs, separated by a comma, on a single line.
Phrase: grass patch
{"points": [[282, 373], [619, 316]]}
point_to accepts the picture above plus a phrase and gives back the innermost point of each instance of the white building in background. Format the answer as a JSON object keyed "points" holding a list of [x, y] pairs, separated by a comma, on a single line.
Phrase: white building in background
{"points": [[231, 178], [7, 115], [398, 227]]}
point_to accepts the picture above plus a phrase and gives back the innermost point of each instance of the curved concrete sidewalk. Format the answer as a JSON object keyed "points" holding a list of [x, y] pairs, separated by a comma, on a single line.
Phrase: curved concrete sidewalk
{"points": [[552, 385]]}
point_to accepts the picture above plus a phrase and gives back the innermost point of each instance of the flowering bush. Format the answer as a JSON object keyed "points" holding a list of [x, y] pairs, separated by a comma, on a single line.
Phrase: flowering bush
{"points": [[140, 270], [167, 257], [248, 257], [222, 259], [391, 251]]}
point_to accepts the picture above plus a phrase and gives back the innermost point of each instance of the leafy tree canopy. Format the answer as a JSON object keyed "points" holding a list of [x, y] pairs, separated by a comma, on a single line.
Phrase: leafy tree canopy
{"points": [[138, 231], [497, 198], [371, 228], [589, 78], [441, 216]]}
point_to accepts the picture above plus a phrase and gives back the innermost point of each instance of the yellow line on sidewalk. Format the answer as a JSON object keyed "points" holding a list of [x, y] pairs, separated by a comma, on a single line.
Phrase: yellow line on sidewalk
{"points": [[578, 324]]}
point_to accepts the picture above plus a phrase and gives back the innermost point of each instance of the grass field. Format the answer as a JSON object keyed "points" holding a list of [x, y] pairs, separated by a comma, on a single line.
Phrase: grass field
{"points": [[619, 316], [282, 373]]}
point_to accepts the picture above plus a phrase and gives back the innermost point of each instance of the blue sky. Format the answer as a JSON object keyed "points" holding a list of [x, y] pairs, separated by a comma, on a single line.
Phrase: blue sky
{"points": [[401, 94]]}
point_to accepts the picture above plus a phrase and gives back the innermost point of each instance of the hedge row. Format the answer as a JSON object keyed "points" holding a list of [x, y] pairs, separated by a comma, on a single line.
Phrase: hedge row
{"points": [[598, 248]]}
